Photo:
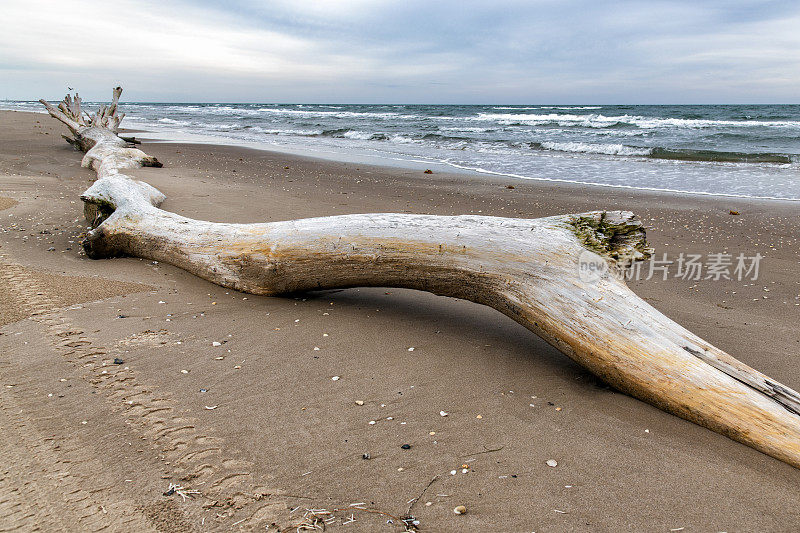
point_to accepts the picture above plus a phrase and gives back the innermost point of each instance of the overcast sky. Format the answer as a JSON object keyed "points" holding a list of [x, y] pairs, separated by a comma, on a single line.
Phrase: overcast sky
{"points": [[410, 51]]}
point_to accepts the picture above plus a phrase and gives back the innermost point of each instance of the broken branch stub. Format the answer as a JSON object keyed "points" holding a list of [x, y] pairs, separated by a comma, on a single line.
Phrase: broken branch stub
{"points": [[526, 269]]}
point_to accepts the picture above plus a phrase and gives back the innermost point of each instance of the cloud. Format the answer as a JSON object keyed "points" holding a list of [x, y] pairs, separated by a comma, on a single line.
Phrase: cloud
{"points": [[412, 51]]}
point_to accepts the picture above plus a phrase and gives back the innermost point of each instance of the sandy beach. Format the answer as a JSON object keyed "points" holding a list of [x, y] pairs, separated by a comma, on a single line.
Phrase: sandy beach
{"points": [[120, 377]]}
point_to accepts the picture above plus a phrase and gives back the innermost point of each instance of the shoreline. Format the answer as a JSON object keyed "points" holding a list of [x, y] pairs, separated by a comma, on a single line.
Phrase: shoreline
{"points": [[278, 423], [408, 161], [163, 136]]}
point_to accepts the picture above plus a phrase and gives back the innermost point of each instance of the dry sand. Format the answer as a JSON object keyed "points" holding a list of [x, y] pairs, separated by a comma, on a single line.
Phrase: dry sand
{"points": [[87, 443]]}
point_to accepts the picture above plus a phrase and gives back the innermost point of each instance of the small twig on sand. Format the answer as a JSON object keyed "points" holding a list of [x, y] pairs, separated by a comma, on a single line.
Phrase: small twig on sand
{"points": [[421, 494], [484, 451], [318, 519]]}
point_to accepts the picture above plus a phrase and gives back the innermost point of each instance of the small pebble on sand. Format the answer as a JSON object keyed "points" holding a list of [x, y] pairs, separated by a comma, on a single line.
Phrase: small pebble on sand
{"points": [[460, 510], [215, 343], [335, 378], [359, 402], [551, 463], [443, 413]]}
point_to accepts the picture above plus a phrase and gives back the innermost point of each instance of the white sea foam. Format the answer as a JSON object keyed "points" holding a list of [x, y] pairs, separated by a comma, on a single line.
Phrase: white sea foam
{"points": [[334, 114], [467, 129], [602, 121], [361, 135], [402, 139], [279, 131], [589, 121], [649, 122], [173, 121], [482, 170], [220, 127], [587, 148], [573, 107]]}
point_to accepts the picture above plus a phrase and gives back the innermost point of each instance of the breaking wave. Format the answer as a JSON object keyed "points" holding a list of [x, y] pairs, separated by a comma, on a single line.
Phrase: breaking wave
{"points": [[602, 121], [673, 154]]}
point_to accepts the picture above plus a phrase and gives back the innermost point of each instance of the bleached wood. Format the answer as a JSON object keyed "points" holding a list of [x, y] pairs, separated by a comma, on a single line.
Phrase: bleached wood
{"points": [[87, 130], [526, 269]]}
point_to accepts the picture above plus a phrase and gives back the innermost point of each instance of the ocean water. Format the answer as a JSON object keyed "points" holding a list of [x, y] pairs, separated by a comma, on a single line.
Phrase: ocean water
{"points": [[734, 150]]}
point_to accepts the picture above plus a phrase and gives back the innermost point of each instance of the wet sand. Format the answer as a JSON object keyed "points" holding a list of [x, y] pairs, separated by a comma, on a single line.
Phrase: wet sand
{"points": [[257, 425]]}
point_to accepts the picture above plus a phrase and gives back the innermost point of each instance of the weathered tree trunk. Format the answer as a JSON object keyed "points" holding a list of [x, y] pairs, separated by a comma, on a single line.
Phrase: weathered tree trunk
{"points": [[96, 135], [526, 269]]}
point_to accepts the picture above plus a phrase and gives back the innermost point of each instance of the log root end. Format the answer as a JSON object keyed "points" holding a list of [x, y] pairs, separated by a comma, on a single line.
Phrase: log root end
{"points": [[617, 236]]}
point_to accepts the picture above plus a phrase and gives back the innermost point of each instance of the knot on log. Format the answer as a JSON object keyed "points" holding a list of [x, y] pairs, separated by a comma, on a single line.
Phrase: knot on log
{"points": [[617, 236]]}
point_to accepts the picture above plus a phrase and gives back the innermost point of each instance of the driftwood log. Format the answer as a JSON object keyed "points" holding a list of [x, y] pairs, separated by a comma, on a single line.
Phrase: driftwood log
{"points": [[526, 269]]}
